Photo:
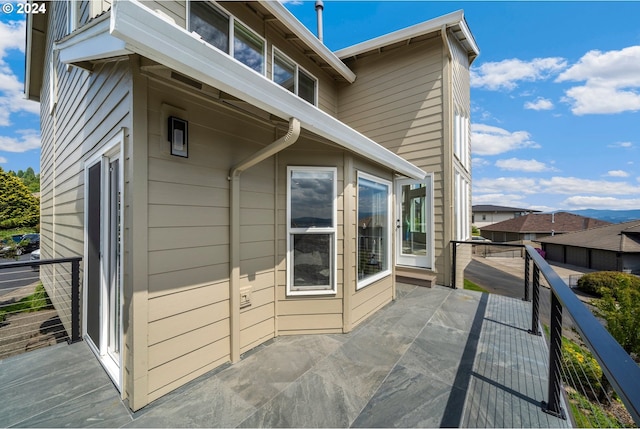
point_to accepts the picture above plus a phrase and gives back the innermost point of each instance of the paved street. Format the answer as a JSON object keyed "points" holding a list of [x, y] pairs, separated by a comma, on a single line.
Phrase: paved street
{"points": [[14, 278]]}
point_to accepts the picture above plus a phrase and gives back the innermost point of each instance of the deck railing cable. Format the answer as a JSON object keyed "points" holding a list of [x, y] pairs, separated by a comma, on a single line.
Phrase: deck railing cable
{"points": [[590, 380], [39, 304]]}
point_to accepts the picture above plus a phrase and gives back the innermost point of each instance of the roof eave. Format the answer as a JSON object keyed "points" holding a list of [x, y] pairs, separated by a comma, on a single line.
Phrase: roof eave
{"points": [[431, 26], [147, 34], [291, 22]]}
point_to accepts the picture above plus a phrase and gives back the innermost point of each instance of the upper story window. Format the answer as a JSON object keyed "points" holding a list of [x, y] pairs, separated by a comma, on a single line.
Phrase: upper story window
{"points": [[461, 136], [292, 77], [219, 28]]}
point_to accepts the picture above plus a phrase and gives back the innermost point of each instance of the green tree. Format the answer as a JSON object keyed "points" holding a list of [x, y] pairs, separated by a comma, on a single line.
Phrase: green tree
{"points": [[18, 207], [620, 308]]}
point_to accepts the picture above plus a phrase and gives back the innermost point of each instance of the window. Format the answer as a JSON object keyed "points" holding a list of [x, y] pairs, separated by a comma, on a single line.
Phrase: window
{"points": [[311, 230], [291, 76], [217, 28], [374, 230], [461, 208], [461, 136]]}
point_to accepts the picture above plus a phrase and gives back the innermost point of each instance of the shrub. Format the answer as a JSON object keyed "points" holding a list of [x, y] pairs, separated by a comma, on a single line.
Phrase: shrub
{"points": [[601, 282]]}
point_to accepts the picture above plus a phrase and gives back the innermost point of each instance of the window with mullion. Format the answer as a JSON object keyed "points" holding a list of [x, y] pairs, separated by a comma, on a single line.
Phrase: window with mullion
{"points": [[311, 230], [218, 28], [291, 76]]}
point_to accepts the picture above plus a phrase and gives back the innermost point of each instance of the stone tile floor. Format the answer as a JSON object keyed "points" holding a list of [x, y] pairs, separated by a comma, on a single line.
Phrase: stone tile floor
{"points": [[433, 358]]}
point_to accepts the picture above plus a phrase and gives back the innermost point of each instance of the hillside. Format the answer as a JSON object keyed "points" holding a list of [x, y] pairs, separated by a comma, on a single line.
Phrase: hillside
{"points": [[614, 216]]}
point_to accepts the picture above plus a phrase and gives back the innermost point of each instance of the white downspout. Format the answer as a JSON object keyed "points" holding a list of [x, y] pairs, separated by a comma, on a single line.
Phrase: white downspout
{"points": [[234, 221]]}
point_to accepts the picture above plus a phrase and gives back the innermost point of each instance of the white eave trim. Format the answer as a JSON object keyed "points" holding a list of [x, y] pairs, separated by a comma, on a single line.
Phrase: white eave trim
{"points": [[147, 34], [433, 25], [283, 15], [92, 42]]}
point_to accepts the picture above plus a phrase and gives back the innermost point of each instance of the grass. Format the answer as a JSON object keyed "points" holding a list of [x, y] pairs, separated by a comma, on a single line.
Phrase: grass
{"points": [[469, 285], [38, 300]]}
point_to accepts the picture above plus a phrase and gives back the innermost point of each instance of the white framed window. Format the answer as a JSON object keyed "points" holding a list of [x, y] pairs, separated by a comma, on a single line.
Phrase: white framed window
{"points": [[311, 230], [223, 31], [461, 136], [288, 74], [374, 229], [461, 208]]}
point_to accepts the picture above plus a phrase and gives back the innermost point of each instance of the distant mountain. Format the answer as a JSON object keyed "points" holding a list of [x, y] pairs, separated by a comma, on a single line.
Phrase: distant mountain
{"points": [[613, 216]]}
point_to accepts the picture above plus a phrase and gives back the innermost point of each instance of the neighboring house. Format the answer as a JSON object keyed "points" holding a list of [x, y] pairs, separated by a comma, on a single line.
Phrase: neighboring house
{"points": [[613, 247], [537, 225], [228, 179], [483, 215]]}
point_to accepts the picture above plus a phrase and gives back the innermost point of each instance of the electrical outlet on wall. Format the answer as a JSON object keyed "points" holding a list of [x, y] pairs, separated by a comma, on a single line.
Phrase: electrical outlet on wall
{"points": [[245, 296]]}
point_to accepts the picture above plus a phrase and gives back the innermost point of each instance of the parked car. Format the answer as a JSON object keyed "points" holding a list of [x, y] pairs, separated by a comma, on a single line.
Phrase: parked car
{"points": [[478, 238], [35, 256], [28, 243]]}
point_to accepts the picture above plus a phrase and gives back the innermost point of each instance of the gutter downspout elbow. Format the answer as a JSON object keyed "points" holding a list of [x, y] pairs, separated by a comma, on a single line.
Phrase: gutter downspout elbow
{"points": [[234, 227]]}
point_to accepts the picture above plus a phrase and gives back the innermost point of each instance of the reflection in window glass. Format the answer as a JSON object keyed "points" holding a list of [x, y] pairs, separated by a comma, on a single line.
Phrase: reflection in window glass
{"points": [[373, 228], [306, 87], [312, 260], [312, 197], [311, 230], [211, 24], [284, 72], [248, 48]]}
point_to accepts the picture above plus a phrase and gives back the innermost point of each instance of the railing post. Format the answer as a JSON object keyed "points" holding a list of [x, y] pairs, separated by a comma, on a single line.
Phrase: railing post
{"points": [[453, 266], [535, 305], [553, 407], [527, 260], [75, 302]]}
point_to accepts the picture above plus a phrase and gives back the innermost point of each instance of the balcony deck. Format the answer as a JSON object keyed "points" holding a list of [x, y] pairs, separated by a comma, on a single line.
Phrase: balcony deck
{"points": [[434, 358]]}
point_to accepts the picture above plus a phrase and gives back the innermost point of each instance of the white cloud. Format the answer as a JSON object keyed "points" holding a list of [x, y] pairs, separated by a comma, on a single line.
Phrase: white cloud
{"points": [[584, 202], [574, 185], [514, 200], [525, 165], [501, 185], [490, 140], [539, 104], [12, 37], [612, 82], [26, 140], [3, 160], [478, 162], [617, 173], [624, 145], [506, 74]]}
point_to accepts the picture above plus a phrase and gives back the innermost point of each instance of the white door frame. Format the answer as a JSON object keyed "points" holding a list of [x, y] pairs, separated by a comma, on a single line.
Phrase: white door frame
{"points": [[112, 362], [408, 259]]}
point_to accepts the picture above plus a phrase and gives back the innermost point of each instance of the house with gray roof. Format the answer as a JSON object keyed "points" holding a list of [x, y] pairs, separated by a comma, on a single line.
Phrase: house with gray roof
{"points": [[611, 247], [487, 214], [538, 225]]}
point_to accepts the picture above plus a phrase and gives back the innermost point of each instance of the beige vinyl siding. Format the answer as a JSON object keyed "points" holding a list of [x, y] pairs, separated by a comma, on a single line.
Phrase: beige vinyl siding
{"points": [[319, 313], [91, 109], [175, 10], [189, 237], [398, 102]]}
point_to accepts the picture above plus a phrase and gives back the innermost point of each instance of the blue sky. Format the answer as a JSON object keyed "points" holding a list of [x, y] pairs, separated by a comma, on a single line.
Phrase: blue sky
{"points": [[555, 95]]}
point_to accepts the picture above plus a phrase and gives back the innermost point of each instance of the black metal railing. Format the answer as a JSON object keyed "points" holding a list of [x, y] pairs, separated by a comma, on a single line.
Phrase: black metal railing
{"points": [[39, 304], [620, 370]]}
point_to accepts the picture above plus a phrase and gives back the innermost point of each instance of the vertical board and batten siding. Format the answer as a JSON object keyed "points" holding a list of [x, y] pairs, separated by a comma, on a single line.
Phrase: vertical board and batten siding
{"points": [[319, 313], [397, 100], [91, 108], [189, 331]]}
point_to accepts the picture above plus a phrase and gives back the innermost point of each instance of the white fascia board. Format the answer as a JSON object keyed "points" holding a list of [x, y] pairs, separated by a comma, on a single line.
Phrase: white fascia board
{"points": [[283, 15], [91, 43], [147, 34], [433, 25]]}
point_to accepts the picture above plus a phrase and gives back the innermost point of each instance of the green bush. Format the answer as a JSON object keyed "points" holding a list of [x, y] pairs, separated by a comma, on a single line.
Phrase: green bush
{"points": [[601, 282], [582, 370]]}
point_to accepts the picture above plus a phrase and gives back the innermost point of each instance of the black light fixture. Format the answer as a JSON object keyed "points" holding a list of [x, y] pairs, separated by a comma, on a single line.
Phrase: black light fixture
{"points": [[178, 136]]}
